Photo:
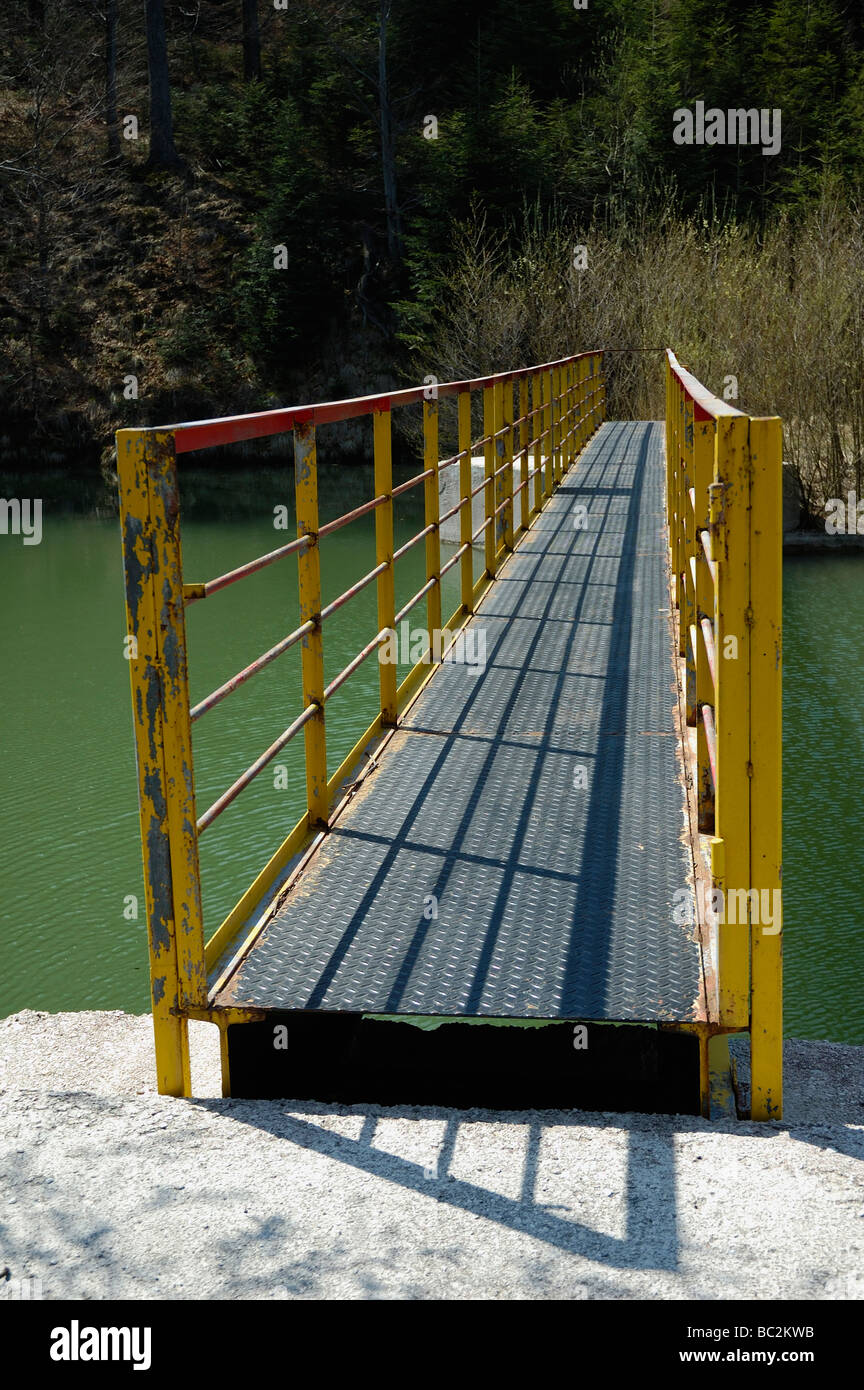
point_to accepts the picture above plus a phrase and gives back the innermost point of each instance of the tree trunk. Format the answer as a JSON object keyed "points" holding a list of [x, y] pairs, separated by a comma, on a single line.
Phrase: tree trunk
{"points": [[251, 41], [388, 156], [111, 78], [163, 154]]}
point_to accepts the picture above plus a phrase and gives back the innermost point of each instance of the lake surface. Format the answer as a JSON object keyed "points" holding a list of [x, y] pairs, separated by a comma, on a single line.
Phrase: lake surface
{"points": [[69, 816]]}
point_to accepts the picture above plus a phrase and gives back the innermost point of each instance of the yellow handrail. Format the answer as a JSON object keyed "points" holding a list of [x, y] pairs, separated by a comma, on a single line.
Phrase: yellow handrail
{"points": [[724, 514]]}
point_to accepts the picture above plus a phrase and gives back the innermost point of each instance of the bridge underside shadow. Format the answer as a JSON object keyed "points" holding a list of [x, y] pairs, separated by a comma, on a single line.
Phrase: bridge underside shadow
{"points": [[517, 853]]}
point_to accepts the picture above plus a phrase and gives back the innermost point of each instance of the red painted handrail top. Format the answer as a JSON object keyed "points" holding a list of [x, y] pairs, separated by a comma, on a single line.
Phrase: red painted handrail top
{"points": [[231, 429]]}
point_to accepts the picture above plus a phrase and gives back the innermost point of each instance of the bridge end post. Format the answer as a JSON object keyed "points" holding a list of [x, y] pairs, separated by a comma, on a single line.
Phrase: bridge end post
{"points": [[155, 648]]}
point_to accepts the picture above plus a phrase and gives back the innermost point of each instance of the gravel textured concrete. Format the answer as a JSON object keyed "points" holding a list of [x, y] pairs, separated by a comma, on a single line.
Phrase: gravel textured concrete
{"points": [[110, 1191]]}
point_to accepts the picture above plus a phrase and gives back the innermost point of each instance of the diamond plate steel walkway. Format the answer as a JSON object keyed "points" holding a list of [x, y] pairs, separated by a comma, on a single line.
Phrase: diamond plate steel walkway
{"points": [[518, 851]]}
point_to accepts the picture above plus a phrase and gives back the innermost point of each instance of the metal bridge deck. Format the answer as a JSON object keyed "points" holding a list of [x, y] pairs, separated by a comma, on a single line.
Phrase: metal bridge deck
{"points": [[537, 807]]}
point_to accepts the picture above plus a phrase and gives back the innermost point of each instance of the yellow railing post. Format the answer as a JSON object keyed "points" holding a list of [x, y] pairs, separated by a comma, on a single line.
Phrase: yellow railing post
{"points": [[466, 525], [156, 651], [766, 657], [384, 555], [312, 649], [489, 457], [433, 540], [582, 402], [537, 438], [559, 423], [524, 441], [507, 475], [730, 540], [547, 432]]}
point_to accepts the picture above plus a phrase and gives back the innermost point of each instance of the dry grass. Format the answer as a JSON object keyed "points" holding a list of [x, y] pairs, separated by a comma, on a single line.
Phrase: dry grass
{"points": [[779, 308]]}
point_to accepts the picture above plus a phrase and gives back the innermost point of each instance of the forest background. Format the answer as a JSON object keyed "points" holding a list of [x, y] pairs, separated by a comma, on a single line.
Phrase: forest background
{"points": [[212, 206]]}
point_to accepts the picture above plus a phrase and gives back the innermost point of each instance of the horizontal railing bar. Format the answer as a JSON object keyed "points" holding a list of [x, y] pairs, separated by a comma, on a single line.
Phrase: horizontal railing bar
{"points": [[412, 482], [340, 521], [445, 463], [353, 664], [415, 540], [480, 529], [710, 739], [412, 602], [708, 637], [463, 501], [212, 586], [252, 772], [354, 589], [232, 429], [242, 676], [705, 538], [457, 556]]}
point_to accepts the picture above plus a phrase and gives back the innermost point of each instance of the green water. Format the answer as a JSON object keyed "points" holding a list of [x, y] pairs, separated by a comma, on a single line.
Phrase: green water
{"points": [[68, 814]]}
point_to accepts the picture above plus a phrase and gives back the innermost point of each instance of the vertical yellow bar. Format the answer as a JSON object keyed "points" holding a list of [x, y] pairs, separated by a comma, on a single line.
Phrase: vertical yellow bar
{"points": [[730, 536], [559, 421], [466, 523], [547, 432], [312, 652], [766, 713], [537, 438], [489, 457], [433, 540], [145, 466], [703, 465], [507, 460], [384, 555], [524, 448], [581, 390]]}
